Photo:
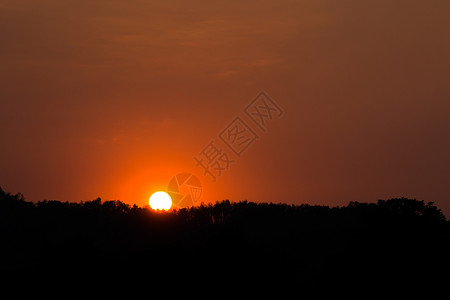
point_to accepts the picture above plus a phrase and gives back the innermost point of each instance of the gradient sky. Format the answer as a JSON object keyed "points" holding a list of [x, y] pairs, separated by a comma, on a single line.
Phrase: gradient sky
{"points": [[112, 98]]}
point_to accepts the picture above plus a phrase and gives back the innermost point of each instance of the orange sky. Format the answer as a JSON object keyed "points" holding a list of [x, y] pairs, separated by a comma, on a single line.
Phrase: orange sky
{"points": [[113, 98]]}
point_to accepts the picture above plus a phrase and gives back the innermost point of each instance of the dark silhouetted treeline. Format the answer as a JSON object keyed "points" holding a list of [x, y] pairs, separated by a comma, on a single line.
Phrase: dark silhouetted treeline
{"points": [[391, 242]]}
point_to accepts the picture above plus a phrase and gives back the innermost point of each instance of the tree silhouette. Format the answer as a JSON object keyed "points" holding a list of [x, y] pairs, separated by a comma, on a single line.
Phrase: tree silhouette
{"points": [[398, 241]]}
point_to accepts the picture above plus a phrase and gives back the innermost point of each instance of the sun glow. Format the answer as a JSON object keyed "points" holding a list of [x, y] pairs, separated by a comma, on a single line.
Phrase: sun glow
{"points": [[160, 201]]}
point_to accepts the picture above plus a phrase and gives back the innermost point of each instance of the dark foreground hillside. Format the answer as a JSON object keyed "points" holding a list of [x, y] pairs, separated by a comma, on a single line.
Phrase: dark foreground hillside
{"points": [[400, 242]]}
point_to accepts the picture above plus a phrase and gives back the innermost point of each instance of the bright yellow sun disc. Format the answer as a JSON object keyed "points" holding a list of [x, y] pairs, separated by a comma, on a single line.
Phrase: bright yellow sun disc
{"points": [[160, 201]]}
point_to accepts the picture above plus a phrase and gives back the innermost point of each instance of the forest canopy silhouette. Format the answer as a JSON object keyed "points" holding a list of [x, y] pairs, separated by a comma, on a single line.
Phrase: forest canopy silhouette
{"points": [[396, 240]]}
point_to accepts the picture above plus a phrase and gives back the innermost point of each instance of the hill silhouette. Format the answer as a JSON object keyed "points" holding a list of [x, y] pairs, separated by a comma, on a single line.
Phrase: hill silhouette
{"points": [[399, 241]]}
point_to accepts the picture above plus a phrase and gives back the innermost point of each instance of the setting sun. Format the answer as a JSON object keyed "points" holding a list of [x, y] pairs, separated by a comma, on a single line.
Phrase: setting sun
{"points": [[160, 201]]}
